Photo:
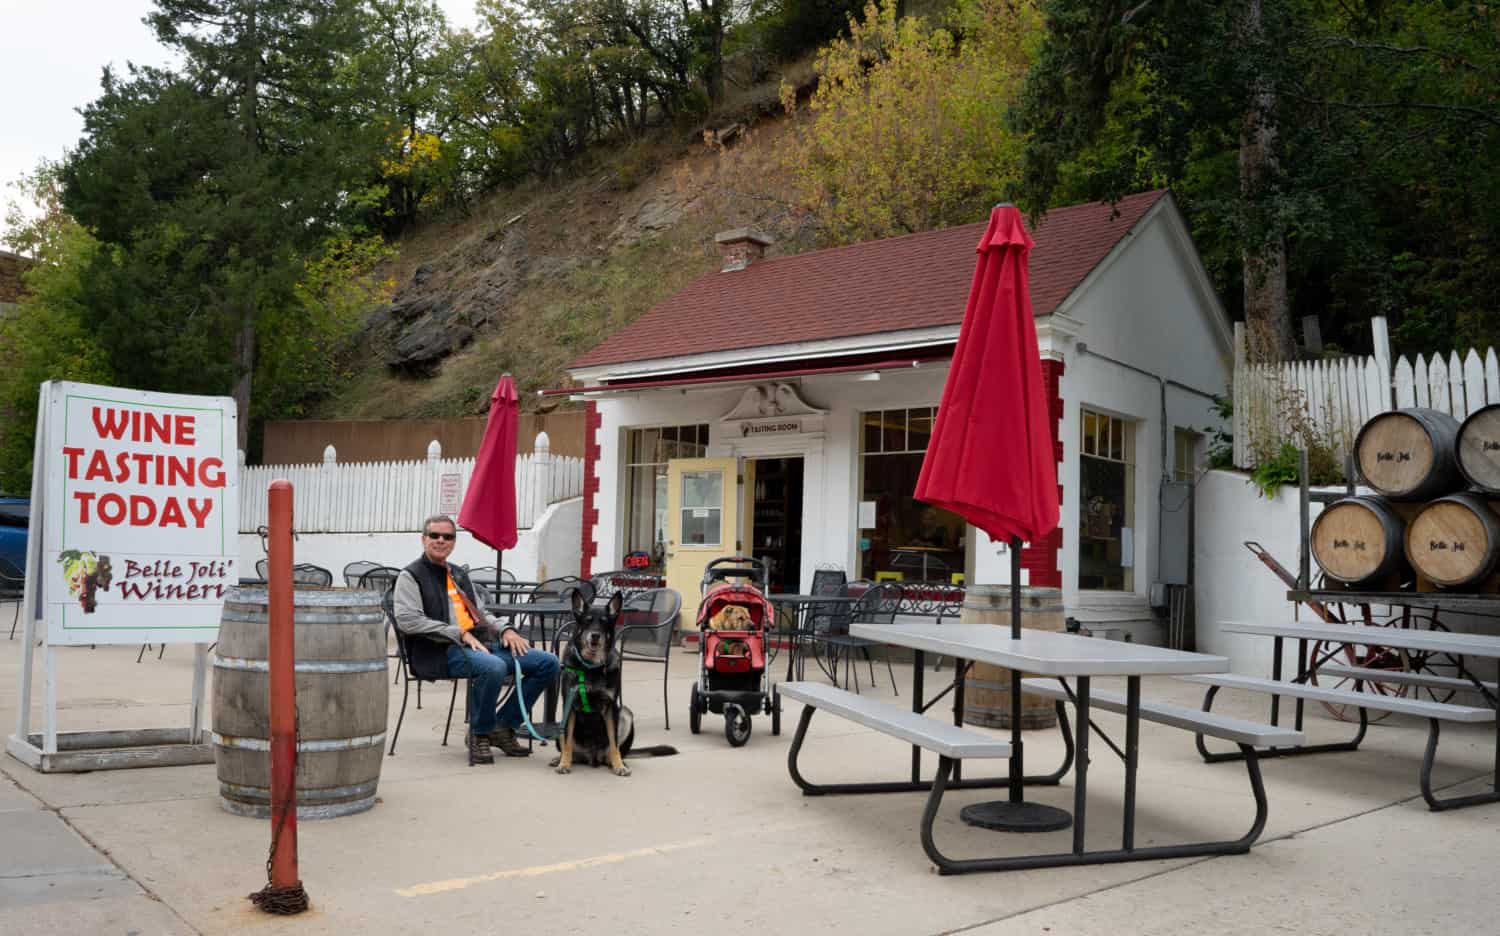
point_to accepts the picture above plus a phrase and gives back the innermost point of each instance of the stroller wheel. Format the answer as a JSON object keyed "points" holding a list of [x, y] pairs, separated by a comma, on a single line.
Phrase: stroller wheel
{"points": [[736, 725], [695, 713], [775, 711]]}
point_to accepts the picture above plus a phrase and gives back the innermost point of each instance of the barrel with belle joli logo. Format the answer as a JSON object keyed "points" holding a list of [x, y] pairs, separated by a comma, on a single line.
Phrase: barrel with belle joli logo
{"points": [[1410, 454], [1455, 541], [1479, 448], [1359, 540]]}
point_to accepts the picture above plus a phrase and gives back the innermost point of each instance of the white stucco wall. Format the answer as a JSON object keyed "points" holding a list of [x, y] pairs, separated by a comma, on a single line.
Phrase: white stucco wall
{"points": [[552, 546]]}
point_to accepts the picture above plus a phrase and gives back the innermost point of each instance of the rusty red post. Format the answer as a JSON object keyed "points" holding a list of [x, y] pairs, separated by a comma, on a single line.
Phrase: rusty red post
{"points": [[281, 655]]}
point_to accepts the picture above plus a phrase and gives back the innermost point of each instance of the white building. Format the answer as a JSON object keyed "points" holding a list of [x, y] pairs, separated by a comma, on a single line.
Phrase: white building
{"points": [[782, 406]]}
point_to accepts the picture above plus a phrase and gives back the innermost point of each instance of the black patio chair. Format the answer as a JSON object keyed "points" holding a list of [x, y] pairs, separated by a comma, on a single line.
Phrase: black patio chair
{"points": [[553, 589], [305, 573], [12, 588], [260, 570], [648, 631], [829, 618], [383, 579], [355, 571], [410, 674], [877, 605], [625, 581]]}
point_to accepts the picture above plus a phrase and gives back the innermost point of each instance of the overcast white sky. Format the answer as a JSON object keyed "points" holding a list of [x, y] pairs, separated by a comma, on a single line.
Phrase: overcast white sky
{"points": [[51, 54]]}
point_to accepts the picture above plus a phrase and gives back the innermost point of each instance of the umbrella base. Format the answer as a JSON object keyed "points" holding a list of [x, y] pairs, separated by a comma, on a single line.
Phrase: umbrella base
{"points": [[1005, 816]]}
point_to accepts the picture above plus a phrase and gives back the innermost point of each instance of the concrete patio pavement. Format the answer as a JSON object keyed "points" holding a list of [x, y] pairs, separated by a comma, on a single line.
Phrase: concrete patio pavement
{"points": [[719, 840]]}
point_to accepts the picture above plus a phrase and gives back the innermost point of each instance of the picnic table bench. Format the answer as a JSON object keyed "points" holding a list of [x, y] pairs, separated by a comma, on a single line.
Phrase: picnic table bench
{"points": [[1057, 655], [1301, 689]]}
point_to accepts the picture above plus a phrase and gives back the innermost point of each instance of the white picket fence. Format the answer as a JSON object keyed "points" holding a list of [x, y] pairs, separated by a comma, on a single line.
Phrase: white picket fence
{"points": [[381, 497], [1337, 396]]}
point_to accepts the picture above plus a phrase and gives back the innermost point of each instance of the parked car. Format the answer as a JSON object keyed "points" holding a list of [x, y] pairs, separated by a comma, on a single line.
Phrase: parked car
{"points": [[15, 517]]}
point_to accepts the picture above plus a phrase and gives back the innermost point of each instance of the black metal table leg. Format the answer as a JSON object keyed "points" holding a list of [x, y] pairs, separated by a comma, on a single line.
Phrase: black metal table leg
{"points": [[1276, 675], [1081, 768], [958, 708], [1132, 752], [916, 706]]}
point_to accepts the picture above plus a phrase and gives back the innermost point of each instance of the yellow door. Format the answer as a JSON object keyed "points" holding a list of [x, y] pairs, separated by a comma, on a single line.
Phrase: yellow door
{"points": [[702, 523]]}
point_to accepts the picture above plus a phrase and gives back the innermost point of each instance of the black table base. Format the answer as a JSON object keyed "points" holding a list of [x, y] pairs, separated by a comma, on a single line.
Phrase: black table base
{"points": [[1016, 817]]}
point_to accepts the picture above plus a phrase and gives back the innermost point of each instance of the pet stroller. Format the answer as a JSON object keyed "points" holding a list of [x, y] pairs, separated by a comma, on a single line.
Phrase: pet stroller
{"points": [[734, 624]]}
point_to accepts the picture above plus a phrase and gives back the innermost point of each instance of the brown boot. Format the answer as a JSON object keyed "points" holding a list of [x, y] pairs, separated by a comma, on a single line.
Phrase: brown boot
{"points": [[504, 738], [479, 749]]}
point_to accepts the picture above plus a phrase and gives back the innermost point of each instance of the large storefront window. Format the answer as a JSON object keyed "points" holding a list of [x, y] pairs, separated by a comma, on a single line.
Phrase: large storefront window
{"points": [[647, 452], [1106, 540], [910, 540]]}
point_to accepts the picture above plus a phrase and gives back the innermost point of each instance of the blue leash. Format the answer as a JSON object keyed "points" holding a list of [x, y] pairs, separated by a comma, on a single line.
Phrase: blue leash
{"points": [[521, 701]]}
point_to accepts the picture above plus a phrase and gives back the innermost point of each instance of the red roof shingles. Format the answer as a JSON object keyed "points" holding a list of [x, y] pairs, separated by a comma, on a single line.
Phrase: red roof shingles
{"points": [[914, 281]]}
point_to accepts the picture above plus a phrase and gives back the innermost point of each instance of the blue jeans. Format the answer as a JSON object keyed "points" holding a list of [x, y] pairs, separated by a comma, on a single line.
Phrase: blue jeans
{"points": [[487, 673]]}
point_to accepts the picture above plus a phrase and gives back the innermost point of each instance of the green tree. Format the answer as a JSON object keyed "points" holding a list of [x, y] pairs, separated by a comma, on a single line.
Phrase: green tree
{"points": [[50, 335], [905, 132], [215, 182], [1335, 159]]}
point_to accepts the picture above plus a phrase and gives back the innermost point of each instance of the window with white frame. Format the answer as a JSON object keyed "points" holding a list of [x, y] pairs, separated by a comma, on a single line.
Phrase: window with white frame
{"points": [[647, 452], [1106, 536], [910, 540], [1185, 443]]}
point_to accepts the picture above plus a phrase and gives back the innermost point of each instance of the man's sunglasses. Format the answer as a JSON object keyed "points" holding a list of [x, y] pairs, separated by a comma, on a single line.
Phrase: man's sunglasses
{"points": [[442, 536]]}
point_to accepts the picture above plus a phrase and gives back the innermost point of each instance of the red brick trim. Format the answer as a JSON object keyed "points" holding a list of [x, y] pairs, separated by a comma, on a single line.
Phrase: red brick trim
{"points": [[1040, 558], [591, 423]]}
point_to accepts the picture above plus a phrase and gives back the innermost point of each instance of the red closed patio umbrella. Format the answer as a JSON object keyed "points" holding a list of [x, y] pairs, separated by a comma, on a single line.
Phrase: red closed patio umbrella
{"points": [[991, 460], [489, 507]]}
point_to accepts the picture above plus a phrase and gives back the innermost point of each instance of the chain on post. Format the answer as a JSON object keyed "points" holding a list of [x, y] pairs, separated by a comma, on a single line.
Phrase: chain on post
{"points": [[282, 900]]}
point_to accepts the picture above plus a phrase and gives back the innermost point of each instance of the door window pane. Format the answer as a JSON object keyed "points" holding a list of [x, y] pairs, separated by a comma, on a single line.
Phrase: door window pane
{"points": [[702, 503]]}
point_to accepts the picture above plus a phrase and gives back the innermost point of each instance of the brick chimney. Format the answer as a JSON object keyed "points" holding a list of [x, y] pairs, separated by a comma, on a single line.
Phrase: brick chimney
{"points": [[740, 247]]}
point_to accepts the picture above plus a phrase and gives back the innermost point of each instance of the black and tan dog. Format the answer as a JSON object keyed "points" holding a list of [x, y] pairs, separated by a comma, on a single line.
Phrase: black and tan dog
{"points": [[594, 722]]}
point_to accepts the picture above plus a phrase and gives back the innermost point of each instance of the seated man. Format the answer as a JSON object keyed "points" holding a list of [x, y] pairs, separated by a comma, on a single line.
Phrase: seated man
{"points": [[436, 604]]}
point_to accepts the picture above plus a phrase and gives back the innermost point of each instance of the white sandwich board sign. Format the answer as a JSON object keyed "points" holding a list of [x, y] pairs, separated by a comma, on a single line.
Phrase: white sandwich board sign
{"points": [[134, 530]]}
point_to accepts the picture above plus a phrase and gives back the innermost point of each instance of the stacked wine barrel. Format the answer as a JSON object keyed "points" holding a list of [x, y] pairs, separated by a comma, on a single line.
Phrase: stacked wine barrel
{"points": [[1435, 517]]}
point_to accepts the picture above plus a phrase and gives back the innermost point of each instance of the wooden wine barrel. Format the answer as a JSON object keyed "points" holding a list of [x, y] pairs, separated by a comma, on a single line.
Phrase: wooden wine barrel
{"points": [[987, 688], [1410, 454], [1358, 540], [1479, 448], [342, 694], [1455, 540]]}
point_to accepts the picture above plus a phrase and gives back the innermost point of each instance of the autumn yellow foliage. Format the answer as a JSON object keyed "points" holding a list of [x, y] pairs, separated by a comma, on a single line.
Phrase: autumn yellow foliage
{"points": [[906, 131]]}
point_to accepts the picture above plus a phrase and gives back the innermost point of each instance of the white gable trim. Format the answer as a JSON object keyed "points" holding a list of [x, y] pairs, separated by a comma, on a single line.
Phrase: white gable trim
{"points": [[1166, 210]]}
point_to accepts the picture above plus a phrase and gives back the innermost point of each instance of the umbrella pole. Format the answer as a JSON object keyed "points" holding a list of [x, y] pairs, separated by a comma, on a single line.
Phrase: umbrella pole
{"points": [[1017, 772], [1014, 814]]}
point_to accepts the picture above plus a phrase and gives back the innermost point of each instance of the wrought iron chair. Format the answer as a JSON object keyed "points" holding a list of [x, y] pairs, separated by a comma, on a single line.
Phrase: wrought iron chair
{"points": [[832, 617], [411, 675], [648, 631], [485, 579], [12, 588], [383, 579], [305, 573], [877, 605], [626, 581], [552, 589], [354, 572]]}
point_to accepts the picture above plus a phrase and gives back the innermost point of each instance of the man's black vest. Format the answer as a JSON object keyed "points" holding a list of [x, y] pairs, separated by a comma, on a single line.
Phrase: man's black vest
{"points": [[429, 655]]}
